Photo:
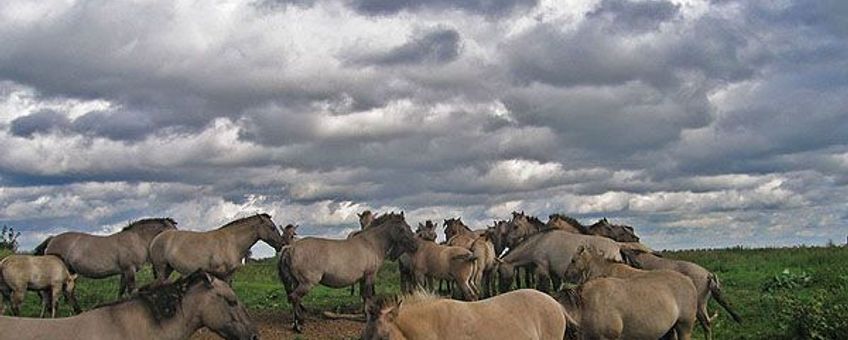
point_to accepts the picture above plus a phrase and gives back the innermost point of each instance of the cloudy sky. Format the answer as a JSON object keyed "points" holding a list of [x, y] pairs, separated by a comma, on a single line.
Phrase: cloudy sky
{"points": [[700, 123]]}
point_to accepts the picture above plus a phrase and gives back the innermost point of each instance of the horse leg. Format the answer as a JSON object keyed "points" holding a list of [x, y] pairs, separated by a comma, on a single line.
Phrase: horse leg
{"points": [[296, 298], [130, 274], [45, 299], [704, 320], [4, 299], [366, 288], [55, 293], [71, 299], [543, 282], [123, 285], [17, 300], [162, 272], [557, 280], [683, 328]]}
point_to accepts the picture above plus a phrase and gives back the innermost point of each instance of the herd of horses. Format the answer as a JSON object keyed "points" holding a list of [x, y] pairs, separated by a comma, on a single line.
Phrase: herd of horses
{"points": [[584, 282]]}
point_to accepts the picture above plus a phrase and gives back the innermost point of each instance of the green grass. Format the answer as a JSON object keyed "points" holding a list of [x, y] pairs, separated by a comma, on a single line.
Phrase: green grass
{"points": [[764, 285]]}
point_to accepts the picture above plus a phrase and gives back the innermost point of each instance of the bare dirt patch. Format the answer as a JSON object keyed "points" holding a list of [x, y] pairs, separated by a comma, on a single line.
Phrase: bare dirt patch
{"points": [[277, 325]]}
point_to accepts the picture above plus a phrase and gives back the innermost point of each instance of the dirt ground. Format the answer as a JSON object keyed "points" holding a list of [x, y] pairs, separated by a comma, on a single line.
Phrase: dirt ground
{"points": [[277, 325]]}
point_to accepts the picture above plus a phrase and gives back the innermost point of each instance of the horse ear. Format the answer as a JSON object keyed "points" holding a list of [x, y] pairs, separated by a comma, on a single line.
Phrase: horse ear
{"points": [[360, 214]]}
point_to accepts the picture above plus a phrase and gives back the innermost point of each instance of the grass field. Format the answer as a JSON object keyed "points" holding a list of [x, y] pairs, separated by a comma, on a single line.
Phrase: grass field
{"points": [[785, 293]]}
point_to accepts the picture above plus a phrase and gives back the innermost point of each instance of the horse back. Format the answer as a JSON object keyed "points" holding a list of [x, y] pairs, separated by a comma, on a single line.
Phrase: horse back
{"points": [[335, 260]]}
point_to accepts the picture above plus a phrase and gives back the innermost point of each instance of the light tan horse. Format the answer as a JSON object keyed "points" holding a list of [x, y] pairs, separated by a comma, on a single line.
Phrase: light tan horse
{"points": [[706, 283], [98, 257], [45, 274], [623, 234], [171, 311], [486, 261], [551, 252], [520, 315], [436, 261], [218, 251], [426, 232], [340, 263], [616, 301]]}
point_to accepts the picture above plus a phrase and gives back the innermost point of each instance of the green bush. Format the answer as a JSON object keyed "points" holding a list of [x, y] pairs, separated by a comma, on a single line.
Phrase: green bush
{"points": [[816, 318], [787, 280]]}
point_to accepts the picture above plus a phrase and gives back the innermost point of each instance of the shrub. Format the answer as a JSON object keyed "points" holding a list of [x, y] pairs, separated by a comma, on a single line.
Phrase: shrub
{"points": [[9, 239], [787, 280], [816, 318]]}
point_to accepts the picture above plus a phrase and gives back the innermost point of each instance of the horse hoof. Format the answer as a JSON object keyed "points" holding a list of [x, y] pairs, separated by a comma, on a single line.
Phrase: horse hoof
{"points": [[297, 328]]}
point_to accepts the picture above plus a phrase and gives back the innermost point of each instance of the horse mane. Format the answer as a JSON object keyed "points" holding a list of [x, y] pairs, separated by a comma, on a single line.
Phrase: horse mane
{"points": [[387, 217], [536, 222], [570, 220], [232, 223], [417, 296], [162, 300], [134, 224]]}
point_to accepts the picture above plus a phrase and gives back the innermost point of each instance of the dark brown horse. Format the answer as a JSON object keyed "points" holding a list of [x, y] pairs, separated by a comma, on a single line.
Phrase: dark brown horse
{"points": [[340, 263], [97, 257]]}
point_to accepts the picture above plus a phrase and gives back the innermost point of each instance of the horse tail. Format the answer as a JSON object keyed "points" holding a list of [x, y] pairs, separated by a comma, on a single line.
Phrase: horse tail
{"points": [[284, 269], [715, 289], [39, 250]]}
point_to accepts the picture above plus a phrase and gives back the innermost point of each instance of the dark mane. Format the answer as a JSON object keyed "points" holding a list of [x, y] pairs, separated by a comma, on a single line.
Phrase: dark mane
{"points": [[232, 223], [570, 220], [132, 225], [388, 217], [536, 222], [571, 296], [163, 301]]}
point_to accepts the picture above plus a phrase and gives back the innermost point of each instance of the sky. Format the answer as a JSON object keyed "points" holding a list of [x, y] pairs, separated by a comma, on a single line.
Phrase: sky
{"points": [[699, 123]]}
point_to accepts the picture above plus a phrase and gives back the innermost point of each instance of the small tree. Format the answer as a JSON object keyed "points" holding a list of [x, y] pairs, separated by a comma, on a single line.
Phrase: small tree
{"points": [[9, 239]]}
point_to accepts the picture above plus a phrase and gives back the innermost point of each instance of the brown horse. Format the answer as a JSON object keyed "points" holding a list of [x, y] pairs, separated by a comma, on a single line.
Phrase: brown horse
{"points": [[171, 311], [460, 235], [616, 301], [45, 274], [340, 263], [706, 283], [97, 257], [520, 315], [486, 261], [218, 251], [444, 262]]}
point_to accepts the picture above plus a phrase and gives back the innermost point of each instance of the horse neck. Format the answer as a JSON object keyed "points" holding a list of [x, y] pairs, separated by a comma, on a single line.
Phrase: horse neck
{"points": [[244, 234], [182, 325], [377, 238], [521, 253]]}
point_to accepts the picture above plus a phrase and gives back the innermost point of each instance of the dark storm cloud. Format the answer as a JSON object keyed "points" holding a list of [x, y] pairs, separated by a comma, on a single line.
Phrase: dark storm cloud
{"points": [[437, 46], [43, 121], [685, 121]]}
